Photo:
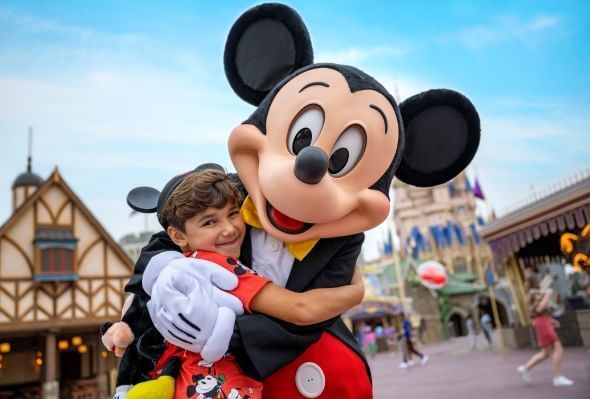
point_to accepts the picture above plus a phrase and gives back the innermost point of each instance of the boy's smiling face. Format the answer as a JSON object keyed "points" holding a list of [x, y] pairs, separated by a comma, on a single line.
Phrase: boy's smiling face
{"points": [[219, 230]]}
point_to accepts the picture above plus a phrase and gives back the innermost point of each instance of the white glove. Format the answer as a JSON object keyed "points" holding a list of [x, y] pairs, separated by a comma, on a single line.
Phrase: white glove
{"points": [[121, 391], [155, 266], [190, 310], [192, 272]]}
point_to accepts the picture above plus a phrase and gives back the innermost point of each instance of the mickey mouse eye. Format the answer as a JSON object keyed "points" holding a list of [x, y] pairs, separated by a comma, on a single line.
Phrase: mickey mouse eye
{"points": [[305, 129], [348, 150]]}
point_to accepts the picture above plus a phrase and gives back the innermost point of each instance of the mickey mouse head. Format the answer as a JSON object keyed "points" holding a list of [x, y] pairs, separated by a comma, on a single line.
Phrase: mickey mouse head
{"points": [[206, 385], [318, 154]]}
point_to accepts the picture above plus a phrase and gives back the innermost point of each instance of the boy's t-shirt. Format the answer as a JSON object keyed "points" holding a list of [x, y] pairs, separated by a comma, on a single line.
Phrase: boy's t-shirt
{"points": [[223, 378], [249, 282]]}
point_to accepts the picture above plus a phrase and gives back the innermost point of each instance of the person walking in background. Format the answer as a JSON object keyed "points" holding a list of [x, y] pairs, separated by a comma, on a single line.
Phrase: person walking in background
{"points": [[547, 339], [370, 341], [485, 322], [409, 345], [471, 332]]}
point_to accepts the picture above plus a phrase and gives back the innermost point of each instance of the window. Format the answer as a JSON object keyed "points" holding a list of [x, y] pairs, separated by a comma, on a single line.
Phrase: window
{"points": [[459, 265], [55, 254], [57, 260]]}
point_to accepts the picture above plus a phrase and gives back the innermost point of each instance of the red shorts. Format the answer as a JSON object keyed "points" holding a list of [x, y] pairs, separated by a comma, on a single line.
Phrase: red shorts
{"points": [[328, 369], [198, 379], [545, 331]]}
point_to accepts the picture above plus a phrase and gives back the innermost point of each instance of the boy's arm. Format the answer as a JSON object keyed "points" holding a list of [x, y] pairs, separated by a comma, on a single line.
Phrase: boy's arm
{"points": [[309, 307]]}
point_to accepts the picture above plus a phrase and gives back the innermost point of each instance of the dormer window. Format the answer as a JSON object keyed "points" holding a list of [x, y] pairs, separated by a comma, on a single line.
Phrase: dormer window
{"points": [[55, 254]]}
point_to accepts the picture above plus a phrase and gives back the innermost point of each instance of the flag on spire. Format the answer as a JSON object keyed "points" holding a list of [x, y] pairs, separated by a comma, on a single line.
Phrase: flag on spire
{"points": [[477, 191], [388, 244]]}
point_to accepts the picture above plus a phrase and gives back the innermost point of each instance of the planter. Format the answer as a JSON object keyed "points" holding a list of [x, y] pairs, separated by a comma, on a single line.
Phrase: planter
{"points": [[518, 337], [583, 317]]}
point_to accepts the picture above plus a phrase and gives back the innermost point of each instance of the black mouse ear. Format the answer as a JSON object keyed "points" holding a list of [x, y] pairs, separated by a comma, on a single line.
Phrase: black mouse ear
{"points": [[143, 199], [442, 132], [266, 44], [210, 165]]}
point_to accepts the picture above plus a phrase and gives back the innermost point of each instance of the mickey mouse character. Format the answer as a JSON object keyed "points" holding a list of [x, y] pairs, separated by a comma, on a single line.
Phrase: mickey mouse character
{"points": [[206, 386], [317, 158]]}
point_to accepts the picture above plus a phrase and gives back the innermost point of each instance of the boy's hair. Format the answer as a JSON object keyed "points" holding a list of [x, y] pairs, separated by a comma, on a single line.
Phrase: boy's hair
{"points": [[198, 191]]}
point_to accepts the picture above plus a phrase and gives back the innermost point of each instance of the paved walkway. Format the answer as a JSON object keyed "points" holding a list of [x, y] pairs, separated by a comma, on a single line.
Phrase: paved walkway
{"points": [[456, 372]]}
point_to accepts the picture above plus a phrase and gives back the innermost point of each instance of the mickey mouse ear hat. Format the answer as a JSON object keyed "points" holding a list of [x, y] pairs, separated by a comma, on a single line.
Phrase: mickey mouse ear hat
{"points": [[145, 199]]}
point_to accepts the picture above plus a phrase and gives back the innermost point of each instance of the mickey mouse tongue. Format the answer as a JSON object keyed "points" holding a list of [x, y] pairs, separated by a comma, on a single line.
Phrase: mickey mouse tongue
{"points": [[285, 223]]}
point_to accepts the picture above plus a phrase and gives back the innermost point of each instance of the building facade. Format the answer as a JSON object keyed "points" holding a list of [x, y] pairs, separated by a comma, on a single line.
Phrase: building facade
{"points": [[61, 276], [526, 247], [440, 223]]}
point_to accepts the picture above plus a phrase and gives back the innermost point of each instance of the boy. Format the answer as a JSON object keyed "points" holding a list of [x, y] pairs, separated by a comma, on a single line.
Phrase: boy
{"points": [[202, 216]]}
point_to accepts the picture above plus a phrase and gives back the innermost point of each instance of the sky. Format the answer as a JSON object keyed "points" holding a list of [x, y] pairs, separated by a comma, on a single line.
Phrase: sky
{"points": [[128, 93]]}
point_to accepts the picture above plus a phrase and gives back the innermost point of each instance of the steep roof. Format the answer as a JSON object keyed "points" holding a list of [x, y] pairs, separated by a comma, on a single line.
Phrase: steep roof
{"points": [[55, 179]]}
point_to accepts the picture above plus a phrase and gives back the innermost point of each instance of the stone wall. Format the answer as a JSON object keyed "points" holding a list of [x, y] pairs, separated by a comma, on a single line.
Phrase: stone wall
{"points": [[583, 317], [425, 305]]}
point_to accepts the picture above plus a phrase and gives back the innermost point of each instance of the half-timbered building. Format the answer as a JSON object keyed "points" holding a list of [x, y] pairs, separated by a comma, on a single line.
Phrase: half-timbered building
{"points": [[61, 276]]}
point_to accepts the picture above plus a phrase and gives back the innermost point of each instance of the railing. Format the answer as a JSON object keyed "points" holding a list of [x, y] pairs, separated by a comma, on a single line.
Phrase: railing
{"points": [[538, 195], [23, 392], [80, 389]]}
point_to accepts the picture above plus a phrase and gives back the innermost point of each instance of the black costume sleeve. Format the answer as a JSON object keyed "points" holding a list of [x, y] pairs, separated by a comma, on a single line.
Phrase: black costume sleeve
{"points": [[134, 364], [133, 367], [159, 242], [263, 344]]}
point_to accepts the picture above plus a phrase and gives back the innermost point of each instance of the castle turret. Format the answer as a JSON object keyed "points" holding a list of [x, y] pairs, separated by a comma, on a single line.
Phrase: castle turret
{"points": [[26, 183]]}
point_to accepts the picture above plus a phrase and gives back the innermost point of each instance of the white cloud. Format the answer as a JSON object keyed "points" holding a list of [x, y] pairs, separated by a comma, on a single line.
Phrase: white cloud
{"points": [[119, 104], [357, 55], [110, 122], [517, 152], [32, 25], [503, 29]]}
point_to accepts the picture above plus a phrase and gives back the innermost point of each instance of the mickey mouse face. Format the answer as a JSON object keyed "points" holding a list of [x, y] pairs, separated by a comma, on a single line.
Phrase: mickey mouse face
{"points": [[324, 145], [206, 384]]}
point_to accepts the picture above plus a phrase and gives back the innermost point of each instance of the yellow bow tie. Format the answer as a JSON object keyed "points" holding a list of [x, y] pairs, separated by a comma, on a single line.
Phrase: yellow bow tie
{"points": [[298, 249]]}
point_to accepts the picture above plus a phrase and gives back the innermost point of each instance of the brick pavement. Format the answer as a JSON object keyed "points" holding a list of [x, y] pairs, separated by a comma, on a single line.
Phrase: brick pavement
{"points": [[458, 373]]}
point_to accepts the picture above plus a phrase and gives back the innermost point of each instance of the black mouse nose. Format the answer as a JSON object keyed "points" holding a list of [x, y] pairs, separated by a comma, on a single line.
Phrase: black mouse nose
{"points": [[311, 165]]}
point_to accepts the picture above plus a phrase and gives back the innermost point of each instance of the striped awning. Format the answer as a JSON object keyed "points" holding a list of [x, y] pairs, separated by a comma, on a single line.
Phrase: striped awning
{"points": [[571, 220]]}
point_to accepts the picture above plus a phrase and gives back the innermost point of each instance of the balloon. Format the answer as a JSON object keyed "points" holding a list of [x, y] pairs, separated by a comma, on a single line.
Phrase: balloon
{"points": [[432, 275]]}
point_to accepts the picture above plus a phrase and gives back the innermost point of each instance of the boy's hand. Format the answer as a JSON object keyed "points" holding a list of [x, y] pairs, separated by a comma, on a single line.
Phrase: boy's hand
{"points": [[189, 308]]}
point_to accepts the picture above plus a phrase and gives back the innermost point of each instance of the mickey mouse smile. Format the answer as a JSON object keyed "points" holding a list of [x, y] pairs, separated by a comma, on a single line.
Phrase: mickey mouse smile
{"points": [[285, 223]]}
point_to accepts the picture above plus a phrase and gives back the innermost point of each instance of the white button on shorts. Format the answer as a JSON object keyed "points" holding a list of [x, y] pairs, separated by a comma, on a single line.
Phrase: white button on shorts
{"points": [[310, 380]]}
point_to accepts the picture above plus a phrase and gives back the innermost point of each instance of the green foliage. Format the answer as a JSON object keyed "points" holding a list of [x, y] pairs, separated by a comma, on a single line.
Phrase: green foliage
{"points": [[414, 280]]}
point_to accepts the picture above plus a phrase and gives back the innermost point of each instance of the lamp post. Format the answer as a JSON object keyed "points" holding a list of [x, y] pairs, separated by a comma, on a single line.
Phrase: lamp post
{"points": [[490, 280]]}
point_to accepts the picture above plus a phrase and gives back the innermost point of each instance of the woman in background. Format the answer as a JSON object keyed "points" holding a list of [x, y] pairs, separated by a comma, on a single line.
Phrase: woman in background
{"points": [[547, 338]]}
